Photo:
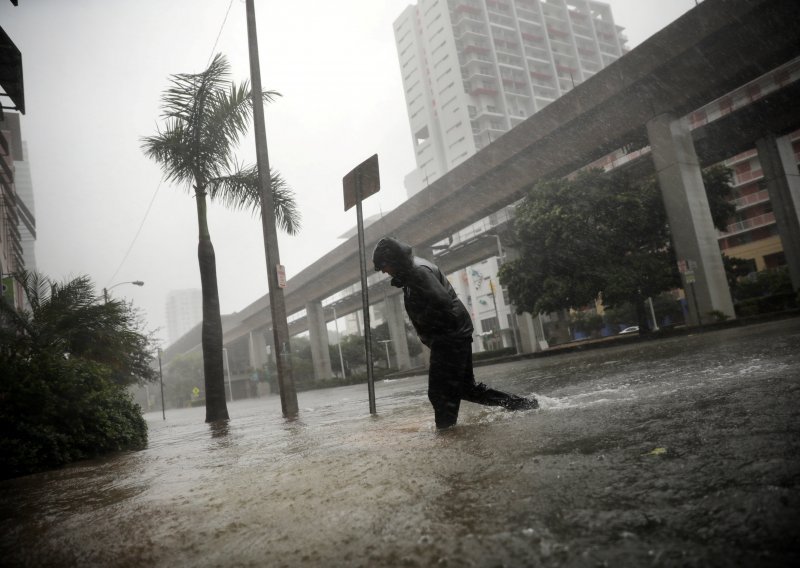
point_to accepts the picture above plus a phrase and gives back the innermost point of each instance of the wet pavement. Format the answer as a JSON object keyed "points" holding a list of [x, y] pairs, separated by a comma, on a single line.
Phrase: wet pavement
{"points": [[678, 452]]}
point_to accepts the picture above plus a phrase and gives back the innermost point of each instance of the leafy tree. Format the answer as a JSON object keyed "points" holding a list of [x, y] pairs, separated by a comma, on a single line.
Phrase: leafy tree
{"points": [[205, 115], [65, 363], [595, 235]]}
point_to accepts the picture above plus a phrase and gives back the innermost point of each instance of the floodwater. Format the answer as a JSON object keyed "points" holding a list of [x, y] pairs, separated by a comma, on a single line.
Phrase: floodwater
{"points": [[677, 452]]}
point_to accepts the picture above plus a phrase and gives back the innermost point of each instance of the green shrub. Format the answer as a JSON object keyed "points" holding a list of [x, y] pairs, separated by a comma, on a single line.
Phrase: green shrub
{"points": [[55, 410]]}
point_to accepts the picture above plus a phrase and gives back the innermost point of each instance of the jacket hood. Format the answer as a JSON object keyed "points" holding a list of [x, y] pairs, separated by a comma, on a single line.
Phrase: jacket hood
{"points": [[391, 251]]}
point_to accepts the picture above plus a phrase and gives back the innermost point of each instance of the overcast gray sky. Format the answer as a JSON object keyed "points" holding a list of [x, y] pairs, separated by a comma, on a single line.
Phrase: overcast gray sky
{"points": [[94, 71]]}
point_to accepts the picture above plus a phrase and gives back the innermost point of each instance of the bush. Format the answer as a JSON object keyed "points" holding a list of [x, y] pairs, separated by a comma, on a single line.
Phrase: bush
{"points": [[766, 304], [55, 410]]}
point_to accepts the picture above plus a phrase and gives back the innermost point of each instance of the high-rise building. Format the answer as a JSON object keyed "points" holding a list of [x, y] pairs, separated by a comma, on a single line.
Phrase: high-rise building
{"points": [[474, 69], [184, 312]]}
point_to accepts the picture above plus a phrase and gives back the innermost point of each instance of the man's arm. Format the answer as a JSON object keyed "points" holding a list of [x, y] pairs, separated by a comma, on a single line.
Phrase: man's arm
{"points": [[427, 285]]}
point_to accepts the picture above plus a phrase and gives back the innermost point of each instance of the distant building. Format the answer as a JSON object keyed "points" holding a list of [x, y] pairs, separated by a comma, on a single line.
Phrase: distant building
{"points": [[184, 311], [474, 69]]}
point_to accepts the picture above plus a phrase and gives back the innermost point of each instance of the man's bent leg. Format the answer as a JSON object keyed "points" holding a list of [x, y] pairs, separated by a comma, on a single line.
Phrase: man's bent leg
{"points": [[481, 394]]}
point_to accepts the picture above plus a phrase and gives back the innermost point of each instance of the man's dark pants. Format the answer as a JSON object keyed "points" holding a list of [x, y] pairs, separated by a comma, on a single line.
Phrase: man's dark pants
{"points": [[451, 380]]}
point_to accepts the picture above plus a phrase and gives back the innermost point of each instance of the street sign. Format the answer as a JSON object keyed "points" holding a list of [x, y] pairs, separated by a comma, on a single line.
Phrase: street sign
{"points": [[281, 271], [361, 182]]}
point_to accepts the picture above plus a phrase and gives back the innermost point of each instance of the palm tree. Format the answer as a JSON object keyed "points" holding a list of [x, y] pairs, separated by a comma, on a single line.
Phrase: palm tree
{"points": [[205, 115], [68, 320]]}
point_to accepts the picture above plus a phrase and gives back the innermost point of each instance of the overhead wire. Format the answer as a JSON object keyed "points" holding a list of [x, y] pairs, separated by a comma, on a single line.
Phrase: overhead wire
{"points": [[139, 230]]}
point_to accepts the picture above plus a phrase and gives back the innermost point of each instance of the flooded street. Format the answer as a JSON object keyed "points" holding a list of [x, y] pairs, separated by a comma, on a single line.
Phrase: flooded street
{"points": [[678, 452]]}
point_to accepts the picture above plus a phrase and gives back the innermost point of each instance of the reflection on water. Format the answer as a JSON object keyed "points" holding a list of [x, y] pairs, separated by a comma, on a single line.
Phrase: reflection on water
{"points": [[341, 487]]}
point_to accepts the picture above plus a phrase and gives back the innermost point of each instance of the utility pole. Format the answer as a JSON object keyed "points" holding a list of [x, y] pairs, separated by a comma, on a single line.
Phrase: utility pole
{"points": [[277, 305]]}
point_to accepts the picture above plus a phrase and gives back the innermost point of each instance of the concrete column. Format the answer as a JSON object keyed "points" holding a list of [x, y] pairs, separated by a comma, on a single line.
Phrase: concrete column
{"points": [[783, 184], [318, 335], [394, 312], [693, 232], [532, 339]]}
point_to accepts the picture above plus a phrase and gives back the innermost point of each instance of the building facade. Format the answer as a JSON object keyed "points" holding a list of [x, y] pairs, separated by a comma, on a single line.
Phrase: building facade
{"points": [[184, 311], [474, 69], [11, 243]]}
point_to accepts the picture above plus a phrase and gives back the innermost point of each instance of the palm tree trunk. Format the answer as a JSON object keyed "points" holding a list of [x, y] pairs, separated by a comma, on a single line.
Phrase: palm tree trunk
{"points": [[216, 406]]}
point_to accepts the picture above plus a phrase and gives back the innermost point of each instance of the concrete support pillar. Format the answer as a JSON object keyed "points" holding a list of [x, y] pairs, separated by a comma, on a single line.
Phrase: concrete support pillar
{"points": [[394, 312], [783, 184], [531, 331], [693, 232], [318, 335]]}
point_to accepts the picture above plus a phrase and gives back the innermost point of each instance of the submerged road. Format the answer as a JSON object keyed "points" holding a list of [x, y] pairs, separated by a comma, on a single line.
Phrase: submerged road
{"points": [[678, 452]]}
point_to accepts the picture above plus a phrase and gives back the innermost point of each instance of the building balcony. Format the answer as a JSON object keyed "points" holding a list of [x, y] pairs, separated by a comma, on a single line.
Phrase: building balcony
{"points": [[466, 9], [476, 49], [746, 201], [557, 34], [532, 37], [748, 224], [483, 91], [477, 75], [743, 178], [542, 76]]}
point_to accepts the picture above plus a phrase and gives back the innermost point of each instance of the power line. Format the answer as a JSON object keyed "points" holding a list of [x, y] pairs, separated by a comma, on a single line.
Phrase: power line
{"points": [[133, 242], [211, 55]]}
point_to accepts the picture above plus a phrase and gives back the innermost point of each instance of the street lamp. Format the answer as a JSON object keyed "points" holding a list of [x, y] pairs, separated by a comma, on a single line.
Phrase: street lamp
{"points": [[386, 343], [513, 318], [228, 369], [338, 340], [105, 290]]}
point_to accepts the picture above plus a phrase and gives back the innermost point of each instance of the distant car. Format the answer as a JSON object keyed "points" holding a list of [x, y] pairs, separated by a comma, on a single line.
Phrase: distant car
{"points": [[631, 329]]}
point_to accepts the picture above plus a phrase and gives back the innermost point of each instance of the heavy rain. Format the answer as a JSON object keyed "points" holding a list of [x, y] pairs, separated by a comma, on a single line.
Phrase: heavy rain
{"points": [[247, 320]]}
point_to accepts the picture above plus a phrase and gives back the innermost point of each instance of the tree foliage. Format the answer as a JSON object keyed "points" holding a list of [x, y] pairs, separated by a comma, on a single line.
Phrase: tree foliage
{"points": [[594, 235], [65, 363]]}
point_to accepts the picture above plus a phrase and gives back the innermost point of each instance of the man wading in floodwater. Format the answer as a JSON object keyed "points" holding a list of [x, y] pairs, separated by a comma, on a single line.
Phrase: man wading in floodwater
{"points": [[443, 324]]}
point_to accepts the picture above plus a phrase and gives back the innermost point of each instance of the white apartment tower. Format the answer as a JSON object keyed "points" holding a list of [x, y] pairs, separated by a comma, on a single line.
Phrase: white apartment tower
{"points": [[474, 69], [184, 311]]}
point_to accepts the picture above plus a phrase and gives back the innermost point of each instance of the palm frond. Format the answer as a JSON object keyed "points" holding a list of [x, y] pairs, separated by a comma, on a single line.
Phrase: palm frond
{"points": [[170, 149], [240, 190]]}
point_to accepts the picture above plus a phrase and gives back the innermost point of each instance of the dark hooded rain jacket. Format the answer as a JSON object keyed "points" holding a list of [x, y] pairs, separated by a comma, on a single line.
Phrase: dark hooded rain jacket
{"points": [[431, 303]]}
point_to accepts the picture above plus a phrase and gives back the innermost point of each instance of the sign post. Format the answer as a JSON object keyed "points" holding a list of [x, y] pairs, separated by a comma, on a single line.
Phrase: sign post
{"points": [[360, 183]]}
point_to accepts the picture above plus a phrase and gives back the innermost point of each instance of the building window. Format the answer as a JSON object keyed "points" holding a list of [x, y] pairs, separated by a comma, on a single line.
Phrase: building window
{"points": [[422, 136]]}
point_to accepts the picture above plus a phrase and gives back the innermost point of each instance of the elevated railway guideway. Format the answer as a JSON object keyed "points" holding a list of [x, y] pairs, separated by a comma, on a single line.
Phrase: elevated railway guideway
{"points": [[637, 100]]}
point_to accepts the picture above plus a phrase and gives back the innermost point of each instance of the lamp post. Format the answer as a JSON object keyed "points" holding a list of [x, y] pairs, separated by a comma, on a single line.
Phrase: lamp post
{"points": [[105, 290], [228, 370], [338, 341], [386, 343], [161, 380], [513, 317]]}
